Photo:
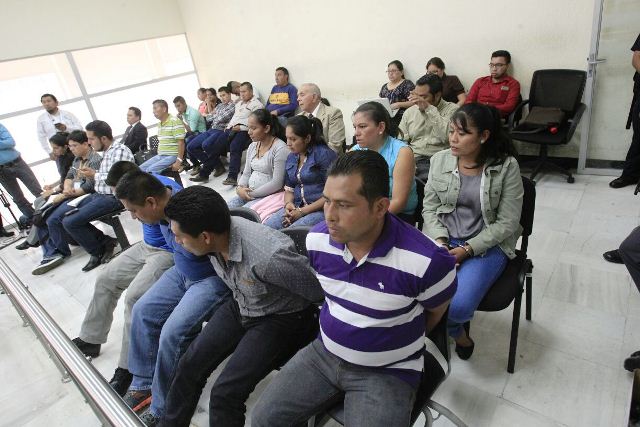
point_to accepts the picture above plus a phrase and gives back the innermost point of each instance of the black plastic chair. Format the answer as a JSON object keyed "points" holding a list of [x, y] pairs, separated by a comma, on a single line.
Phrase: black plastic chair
{"points": [[553, 88], [113, 219], [299, 237], [418, 212], [245, 213], [517, 276], [436, 371]]}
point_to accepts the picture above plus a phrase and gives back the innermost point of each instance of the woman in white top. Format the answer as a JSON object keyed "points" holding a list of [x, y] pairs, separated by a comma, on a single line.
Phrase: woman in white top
{"points": [[264, 168]]}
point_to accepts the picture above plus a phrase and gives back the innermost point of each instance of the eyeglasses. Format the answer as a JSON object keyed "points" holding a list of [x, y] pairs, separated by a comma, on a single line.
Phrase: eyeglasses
{"points": [[392, 71], [497, 65]]}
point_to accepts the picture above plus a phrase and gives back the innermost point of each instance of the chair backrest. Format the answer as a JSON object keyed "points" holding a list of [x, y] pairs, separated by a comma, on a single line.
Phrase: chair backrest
{"points": [[153, 143], [299, 237], [557, 88], [245, 213], [528, 206]]}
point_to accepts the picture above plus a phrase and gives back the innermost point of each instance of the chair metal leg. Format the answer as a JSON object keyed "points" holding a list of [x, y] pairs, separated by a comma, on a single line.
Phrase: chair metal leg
{"points": [[120, 233], [445, 412], [513, 344], [528, 289]]}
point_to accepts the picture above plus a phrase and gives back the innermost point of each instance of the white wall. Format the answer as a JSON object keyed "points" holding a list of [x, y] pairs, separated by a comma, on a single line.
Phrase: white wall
{"points": [[37, 27], [344, 46]]}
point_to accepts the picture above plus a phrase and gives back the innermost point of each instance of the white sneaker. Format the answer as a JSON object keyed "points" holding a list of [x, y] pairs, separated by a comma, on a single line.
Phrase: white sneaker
{"points": [[48, 264]]}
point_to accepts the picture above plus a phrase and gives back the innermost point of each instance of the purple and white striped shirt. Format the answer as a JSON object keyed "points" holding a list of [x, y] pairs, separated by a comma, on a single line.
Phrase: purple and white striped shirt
{"points": [[374, 310]]}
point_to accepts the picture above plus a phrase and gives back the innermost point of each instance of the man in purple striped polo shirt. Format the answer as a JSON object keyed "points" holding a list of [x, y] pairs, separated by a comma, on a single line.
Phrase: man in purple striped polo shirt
{"points": [[385, 285]]}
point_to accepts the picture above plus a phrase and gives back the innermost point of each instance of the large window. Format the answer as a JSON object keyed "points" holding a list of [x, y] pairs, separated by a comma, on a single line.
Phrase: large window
{"points": [[96, 83]]}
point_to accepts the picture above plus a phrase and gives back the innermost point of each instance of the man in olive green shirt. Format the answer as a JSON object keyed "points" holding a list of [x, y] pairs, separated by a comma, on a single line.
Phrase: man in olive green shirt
{"points": [[425, 125]]}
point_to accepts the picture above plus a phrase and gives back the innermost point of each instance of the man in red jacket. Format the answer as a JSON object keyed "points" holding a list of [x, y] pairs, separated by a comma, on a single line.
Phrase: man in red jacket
{"points": [[498, 89]]}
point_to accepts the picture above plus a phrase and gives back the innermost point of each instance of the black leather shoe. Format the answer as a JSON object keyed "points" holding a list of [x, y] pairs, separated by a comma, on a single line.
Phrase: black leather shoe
{"points": [[622, 181], [463, 352], [632, 362], [613, 256], [26, 245], [121, 381], [109, 246], [5, 233], [94, 261], [88, 349]]}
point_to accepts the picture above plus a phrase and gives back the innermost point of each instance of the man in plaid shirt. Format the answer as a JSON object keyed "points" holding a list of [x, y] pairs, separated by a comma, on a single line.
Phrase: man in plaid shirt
{"points": [[77, 221]]}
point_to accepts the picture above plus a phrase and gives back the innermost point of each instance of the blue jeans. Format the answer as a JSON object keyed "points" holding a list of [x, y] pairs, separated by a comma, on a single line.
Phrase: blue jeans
{"points": [[207, 148], [237, 202], [53, 238], [238, 142], [164, 321], [79, 226], [314, 380], [275, 220], [158, 163], [475, 277]]}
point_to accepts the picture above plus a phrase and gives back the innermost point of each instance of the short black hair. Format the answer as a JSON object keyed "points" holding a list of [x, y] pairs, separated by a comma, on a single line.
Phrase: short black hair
{"points": [[161, 102], [201, 90], [136, 111], [248, 85], [284, 70], [50, 96], [433, 81], [78, 136], [371, 167], [60, 139], [136, 186], [226, 89], [198, 209], [179, 99], [503, 53], [118, 170], [100, 128]]}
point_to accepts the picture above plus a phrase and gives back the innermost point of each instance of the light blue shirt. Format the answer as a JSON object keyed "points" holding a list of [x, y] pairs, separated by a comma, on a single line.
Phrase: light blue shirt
{"points": [[7, 151], [390, 150]]}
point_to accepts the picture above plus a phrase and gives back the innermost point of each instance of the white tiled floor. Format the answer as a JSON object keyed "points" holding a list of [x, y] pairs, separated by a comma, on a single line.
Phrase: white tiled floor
{"points": [[586, 320]]}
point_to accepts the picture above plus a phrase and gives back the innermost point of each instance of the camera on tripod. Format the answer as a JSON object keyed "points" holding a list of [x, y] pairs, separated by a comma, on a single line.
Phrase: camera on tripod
{"points": [[5, 202]]}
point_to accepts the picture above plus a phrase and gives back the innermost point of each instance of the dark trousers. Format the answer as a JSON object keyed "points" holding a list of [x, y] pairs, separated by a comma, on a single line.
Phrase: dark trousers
{"points": [[630, 254], [632, 162], [16, 170], [256, 345], [78, 225], [238, 142], [423, 164], [207, 148]]}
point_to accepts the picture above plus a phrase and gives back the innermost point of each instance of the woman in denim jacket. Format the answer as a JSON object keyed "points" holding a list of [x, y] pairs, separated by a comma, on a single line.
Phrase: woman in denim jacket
{"points": [[306, 173], [472, 204]]}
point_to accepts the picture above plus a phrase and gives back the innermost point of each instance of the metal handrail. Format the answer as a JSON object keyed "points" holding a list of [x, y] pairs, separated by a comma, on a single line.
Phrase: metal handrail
{"points": [[105, 402]]}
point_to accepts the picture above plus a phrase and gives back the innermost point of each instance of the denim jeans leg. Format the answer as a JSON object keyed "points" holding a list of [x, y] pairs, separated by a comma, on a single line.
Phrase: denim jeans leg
{"points": [[215, 343], [147, 319], [201, 299], [194, 146], [158, 163], [309, 220], [56, 241], [214, 147], [475, 277], [79, 226], [237, 145], [305, 386], [275, 220]]}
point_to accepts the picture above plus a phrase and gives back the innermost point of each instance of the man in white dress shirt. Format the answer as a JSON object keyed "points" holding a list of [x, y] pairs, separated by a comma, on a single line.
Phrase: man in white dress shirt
{"points": [[54, 120]]}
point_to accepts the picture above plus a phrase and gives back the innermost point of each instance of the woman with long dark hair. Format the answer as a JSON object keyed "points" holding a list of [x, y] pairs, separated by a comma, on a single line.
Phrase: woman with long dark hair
{"points": [[306, 172], [472, 204], [264, 171]]}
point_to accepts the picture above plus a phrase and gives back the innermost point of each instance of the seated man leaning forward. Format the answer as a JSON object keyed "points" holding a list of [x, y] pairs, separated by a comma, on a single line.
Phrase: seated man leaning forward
{"points": [[171, 134], [269, 318], [76, 221], [136, 269], [425, 125], [168, 316], [386, 285]]}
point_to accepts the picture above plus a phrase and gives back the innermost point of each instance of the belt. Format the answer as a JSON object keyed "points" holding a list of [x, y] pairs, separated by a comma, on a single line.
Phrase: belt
{"points": [[11, 163]]}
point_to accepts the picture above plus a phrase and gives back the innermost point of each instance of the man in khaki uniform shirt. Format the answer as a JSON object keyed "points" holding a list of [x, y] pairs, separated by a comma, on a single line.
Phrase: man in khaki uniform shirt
{"points": [[425, 125]]}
